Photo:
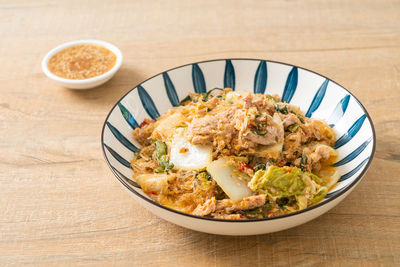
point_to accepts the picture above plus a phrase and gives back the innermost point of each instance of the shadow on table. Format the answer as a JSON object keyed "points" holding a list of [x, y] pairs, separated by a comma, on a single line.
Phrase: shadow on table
{"points": [[110, 92]]}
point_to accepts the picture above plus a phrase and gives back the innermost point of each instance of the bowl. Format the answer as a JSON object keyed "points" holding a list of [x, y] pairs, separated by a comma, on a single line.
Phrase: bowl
{"points": [[316, 95], [84, 83]]}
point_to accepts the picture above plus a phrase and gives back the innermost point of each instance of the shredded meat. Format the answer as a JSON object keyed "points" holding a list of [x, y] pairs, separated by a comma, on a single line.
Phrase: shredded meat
{"points": [[144, 166], [292, 146], [205, 209], [142, 134], [323, 132], [268, 139], [262, 103], [201, 130], [247, 203], [221, 207], [217, 129], [289, 119], [320, 153]]}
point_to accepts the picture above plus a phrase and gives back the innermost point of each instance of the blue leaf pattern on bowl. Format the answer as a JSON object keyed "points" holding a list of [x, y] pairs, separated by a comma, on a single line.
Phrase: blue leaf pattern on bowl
{"points": [[122, 138], [199, 83], [353, 130], [352, 172], [126, 179], [353, 154], [128, 116], [339, 111], [229, 75], [334, 192], [118, 157], [317, 99], [260, 79], [170, 88], [290, 86], [148, 103]]}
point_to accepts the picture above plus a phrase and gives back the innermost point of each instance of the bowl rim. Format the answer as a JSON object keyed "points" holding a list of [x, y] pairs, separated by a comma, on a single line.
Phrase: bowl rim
{"points": [[115, 50], [339, 193]]}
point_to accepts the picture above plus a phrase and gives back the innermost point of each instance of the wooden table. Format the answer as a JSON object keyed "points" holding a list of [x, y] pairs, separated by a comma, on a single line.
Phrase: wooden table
{"points": [[59, 202]]}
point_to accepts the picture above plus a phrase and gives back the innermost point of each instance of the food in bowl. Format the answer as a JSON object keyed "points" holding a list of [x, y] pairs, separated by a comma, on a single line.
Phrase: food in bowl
{"points": [[235, 155], [82, 61]]}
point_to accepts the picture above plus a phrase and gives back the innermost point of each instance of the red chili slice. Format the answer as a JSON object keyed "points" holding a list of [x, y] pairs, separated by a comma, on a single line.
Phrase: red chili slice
{"points": [[242, 166], [144, 123], [253, 125]]}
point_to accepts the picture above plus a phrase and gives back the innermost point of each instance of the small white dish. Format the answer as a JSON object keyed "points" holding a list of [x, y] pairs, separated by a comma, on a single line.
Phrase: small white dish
{"points": [[85, 83]]}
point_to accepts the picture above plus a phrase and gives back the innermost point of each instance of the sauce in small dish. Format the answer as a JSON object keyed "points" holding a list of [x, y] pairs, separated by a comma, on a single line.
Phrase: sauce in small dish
{"points": [[82, 64]]}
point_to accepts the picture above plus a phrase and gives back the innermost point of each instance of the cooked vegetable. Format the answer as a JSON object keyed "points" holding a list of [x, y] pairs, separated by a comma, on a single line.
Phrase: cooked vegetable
{"points": [[313, 177], [303, 162], [166, 126], [152, 183], [259, 131], [259, 212], [281, 109], [321, 193], [161, 149], [278, 182], [286, 202], [236, 97], [207, 95], [219, 193], [272, 98], [258, 127], [301, 118], [162, 157], [260, 166], [186, 156], [277, 119], [187, 98], [202, 178], [293, 128], [302, 202], [235, 155], [233, 183], [243, 166], [329, 177]]}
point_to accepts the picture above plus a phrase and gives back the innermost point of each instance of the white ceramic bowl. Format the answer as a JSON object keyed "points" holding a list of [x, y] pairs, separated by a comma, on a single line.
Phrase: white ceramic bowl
{"points": [[85, 83], [316, 95]]}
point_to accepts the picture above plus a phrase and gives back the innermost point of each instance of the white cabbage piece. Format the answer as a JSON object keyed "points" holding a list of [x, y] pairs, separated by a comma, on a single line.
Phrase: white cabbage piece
{"points": [[228, 179], [166, 125], [186, 156], [236, 96], [152, 182], [277, 119], [332, 178], [277, 148], [301, 202]]}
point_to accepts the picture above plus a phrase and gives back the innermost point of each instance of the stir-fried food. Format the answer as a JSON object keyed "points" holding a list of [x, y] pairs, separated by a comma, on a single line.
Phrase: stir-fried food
{"points": [[235, 155]]}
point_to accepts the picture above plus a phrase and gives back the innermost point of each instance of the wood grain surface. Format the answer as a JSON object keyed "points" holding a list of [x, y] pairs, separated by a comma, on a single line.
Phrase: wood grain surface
{"points": [[61, 206]]}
